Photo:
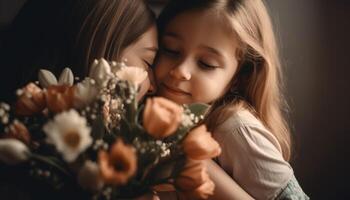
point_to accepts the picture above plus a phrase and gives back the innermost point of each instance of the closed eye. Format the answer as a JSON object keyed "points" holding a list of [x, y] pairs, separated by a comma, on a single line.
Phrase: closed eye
{"points": [[171, 51], [149, 65], [206, 66]]}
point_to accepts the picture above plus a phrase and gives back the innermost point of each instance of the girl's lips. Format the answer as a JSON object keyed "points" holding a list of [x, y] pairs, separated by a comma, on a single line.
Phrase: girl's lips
{"points": [[175, 91]]}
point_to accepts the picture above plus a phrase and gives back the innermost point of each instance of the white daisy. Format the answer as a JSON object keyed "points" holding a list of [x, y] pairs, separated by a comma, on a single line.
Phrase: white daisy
{"points": [[69, 133]]}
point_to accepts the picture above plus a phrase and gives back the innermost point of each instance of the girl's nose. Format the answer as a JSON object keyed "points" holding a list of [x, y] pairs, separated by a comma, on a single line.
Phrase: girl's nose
{"points": [[181, 71]]}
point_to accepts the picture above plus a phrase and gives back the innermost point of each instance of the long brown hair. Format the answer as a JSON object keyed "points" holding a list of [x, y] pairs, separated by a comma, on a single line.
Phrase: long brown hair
{"points": [[54, 34], [257, 84], [108, 27]]}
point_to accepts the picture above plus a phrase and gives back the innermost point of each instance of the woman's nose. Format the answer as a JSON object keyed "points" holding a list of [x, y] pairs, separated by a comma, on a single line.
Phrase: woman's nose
{"points": [[181, 71], [153, 87]]}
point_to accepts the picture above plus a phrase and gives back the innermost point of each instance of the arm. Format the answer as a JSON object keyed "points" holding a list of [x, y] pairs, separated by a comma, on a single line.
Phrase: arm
{"points": [[225, 186]]}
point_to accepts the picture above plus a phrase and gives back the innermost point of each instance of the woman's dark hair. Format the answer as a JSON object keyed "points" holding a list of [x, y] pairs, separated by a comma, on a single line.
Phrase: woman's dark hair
{"points": [[54, 34]]}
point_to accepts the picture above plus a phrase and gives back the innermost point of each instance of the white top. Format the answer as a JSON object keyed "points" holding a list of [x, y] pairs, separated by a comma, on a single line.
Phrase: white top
{"points": [[251, 155]]}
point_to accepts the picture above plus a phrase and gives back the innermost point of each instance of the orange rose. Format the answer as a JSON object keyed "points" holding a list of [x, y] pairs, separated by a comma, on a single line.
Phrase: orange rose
{"points": [[164, 187], [119, 165], [18, 131], [59, 97], [194, 182], [161, 117], [200, 145], [31, 101]]}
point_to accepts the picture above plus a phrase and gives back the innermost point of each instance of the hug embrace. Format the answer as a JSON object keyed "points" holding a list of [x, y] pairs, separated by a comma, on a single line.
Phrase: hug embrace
{"points": [[221, 53]]}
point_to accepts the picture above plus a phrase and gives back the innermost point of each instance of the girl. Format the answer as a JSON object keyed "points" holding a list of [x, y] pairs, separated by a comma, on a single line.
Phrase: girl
{"points": [[72, 33], [223, 52]]}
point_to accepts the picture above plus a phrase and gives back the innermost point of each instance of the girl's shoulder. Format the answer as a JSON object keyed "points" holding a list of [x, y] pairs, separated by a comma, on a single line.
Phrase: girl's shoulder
{"points": [[243, 123], [252, 155], [241, 117]]}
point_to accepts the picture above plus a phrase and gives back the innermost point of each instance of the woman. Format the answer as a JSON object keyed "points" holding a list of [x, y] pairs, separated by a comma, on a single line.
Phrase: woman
{"points": [[70, 33]]}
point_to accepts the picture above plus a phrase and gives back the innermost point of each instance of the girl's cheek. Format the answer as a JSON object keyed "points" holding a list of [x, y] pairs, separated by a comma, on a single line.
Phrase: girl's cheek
{"points": [[162, 69]]}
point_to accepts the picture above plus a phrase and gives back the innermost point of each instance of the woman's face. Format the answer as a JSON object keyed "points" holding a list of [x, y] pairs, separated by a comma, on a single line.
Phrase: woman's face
{"points": [[142, 54], [197, 59]]}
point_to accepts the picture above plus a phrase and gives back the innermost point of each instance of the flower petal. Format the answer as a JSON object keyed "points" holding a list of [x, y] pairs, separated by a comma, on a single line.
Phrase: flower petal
{"points": [[66, 77], [46, 78]]}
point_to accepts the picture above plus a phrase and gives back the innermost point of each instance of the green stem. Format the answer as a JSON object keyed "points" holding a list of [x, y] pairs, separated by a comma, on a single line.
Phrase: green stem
{"points": [[49, 162]]}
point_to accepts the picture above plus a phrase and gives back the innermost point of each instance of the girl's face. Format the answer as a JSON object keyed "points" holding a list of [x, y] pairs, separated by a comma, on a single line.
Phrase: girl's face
{"points": [[197, 59], [142, 54]]}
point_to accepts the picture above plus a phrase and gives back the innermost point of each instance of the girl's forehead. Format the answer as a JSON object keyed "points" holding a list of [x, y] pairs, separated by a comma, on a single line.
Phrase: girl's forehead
{"points": [[200, 24], [197, 32], [199, 19]]}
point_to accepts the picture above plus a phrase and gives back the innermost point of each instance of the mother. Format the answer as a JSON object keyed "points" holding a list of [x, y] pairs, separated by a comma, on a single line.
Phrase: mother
{"points": [[71, 33]]}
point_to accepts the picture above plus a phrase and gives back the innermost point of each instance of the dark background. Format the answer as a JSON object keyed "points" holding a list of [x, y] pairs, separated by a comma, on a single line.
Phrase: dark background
{"points": [[314, 40]]}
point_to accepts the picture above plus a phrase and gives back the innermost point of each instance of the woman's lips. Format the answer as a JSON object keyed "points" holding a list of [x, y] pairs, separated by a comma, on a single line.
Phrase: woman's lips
{"points": [[175, 91]]}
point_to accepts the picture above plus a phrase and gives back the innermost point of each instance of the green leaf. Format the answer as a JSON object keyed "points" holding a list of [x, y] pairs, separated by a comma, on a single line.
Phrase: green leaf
{"points": [[180, 133], [198, 108], [51, 161]]}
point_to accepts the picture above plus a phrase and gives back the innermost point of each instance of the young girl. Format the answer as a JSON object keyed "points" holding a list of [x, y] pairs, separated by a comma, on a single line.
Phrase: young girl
{"points": [[72, 33], [223, 52]]}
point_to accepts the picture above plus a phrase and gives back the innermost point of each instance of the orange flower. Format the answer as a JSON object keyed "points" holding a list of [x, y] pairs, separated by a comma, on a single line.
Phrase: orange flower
{"points": [[199, 145], [119, 165], [31, 101], [164, 187], [161, 117], [18, 131], [59, 97], [194, 182]]}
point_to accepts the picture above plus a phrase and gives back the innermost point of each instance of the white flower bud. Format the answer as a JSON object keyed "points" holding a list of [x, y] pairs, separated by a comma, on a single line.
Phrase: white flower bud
{"points": [[89, 176], [100, 71], [46, 78], [66, 77], [85, 92], [13, 151]]}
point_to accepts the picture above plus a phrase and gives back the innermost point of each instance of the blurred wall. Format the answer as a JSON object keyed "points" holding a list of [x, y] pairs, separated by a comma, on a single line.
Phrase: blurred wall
{"points": [[314, 36], [314, 40]]}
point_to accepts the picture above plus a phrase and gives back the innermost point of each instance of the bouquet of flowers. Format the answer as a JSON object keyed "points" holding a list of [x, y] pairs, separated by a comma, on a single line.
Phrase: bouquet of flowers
{"points": [[95, 134]]}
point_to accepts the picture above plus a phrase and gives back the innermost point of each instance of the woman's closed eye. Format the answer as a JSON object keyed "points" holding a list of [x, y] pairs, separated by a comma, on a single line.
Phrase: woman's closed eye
{"points": [[148, 64]]}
